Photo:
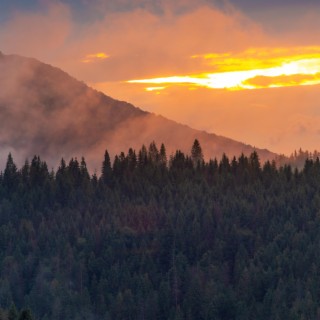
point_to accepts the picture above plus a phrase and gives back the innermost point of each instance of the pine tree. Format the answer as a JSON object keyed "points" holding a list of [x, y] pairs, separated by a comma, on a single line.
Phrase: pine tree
{"points": [[196, 154], [143, 156], [39, 173], [132, 160], [163, 155], [224, 165], [10, 176], [106, 168], [62, 167], [254, 162], [62, 183], [25, 172], [83, 170], [74, 173], [153, 153]]}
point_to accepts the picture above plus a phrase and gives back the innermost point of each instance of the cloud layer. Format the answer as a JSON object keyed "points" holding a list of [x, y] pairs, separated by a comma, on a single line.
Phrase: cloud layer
{"points": [[147, 39]]}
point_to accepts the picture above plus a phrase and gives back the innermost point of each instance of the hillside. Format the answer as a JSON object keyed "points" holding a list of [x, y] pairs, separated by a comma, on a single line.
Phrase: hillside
{"points": [[45, 111]]}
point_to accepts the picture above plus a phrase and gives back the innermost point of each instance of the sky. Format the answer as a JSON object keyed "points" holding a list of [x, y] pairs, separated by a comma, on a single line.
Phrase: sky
{"points": [[244, 69]]}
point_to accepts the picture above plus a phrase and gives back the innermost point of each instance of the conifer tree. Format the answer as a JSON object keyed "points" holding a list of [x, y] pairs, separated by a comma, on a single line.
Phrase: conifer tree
{"points": [[196, 154], [132, 159], [106, 168], [163, 155], [153, 153], [10, 176], [25, 172], [224, 165], [143, 156], [255, 162], [62, 167], [83, 170], [38, 171]]}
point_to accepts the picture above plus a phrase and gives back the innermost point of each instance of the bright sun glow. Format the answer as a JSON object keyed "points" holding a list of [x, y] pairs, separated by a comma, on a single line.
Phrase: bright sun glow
{"points": [[155, 88], [252, 69]]}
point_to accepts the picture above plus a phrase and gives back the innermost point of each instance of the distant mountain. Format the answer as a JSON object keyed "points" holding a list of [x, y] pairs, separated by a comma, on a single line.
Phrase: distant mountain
{"points": [[45, 111]]}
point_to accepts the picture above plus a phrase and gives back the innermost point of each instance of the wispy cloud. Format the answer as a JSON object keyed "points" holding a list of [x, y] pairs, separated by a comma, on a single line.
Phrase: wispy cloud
{"points": [[95, 57]]}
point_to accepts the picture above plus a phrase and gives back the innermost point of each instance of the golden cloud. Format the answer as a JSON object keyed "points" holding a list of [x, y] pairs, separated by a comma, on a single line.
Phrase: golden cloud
{"points": [[94, 57], [283, 81], [255, 58], [252, 69]]}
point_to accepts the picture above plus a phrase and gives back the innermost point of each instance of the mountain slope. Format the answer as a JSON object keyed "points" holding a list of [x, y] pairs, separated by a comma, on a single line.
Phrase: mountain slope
{"points": [[45, 111]]}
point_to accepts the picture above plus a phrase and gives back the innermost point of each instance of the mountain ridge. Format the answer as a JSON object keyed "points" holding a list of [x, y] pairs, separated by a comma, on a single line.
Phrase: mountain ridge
{"points": [[46, 111]]}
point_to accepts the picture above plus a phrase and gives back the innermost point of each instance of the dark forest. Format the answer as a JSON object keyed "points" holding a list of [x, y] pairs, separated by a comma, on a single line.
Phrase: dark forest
{"points": [[156, 236]]}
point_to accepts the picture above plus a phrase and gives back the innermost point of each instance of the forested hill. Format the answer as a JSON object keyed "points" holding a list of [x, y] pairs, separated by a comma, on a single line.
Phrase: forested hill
{"points": [[45, 111], [158, 238]]}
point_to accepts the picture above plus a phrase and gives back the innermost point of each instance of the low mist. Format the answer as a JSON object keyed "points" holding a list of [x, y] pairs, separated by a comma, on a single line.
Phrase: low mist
{"points": [[44, 111]]}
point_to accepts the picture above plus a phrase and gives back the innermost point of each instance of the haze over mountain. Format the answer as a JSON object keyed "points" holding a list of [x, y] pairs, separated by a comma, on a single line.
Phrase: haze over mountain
{"points": [[45, 111]]}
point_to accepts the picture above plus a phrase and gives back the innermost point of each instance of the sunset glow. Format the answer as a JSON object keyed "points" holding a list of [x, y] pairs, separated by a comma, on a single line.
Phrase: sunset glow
{"points": [[155, 88], [248, 70], [94, 57], [252, 69]]}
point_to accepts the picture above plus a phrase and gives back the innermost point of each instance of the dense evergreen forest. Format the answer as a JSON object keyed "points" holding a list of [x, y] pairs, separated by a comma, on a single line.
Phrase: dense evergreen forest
{"points": [[160, 237]]}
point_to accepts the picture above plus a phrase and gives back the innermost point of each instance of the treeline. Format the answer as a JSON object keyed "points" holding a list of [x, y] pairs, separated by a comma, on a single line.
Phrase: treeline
{"points": [[297, 159], [158, 237]]}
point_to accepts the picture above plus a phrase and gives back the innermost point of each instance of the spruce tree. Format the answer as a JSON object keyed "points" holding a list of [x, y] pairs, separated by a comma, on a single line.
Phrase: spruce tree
{"points": [[83, 170], [106, 168], [132, 159], [196, 154], [163, 155], [10, 176], [143, 156], [153, 153]]}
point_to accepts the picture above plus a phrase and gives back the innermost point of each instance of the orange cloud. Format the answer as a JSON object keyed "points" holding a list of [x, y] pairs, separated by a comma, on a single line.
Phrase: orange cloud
{"points": [[258, 58], [283, 81], [235, 72], [94, 57], [143, 43]]}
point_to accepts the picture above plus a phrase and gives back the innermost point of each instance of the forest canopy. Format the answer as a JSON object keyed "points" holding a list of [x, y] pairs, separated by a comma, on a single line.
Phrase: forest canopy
{"points": [[160, 237]]}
